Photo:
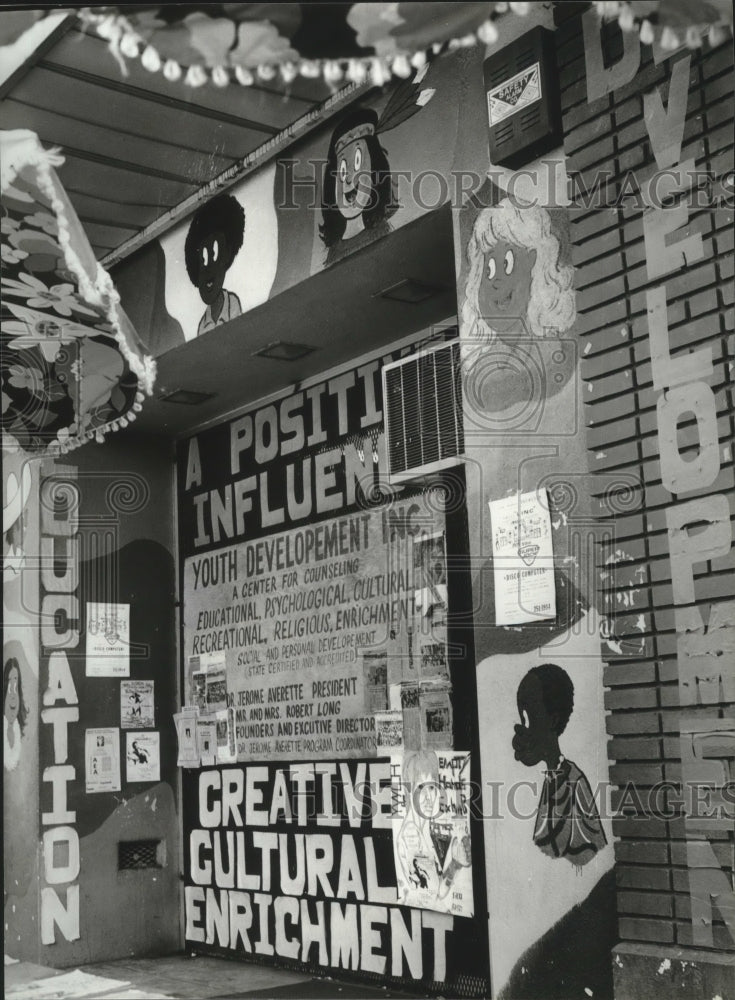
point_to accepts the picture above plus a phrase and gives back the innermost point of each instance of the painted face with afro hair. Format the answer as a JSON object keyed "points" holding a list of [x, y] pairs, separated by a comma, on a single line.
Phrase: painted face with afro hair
{"points": [[214, 238]]}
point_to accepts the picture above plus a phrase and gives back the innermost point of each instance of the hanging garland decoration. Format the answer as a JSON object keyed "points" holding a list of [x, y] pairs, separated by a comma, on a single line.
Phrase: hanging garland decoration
{"points": [[673, 23], [231, 48]]}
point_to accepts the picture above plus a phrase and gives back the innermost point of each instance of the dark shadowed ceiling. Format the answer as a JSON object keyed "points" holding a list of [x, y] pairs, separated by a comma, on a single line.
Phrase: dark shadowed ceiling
{"points": [[135, 145]]}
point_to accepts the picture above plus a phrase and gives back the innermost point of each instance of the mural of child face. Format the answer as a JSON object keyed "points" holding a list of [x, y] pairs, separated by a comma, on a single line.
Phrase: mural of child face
{"points": [[12, 695], [505, 289], [536, 738], [214, 261], [354, 179]]}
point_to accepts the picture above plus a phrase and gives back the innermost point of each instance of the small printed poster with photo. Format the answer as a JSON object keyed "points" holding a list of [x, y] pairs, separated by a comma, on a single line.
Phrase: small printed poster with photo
{"points": [[411, 712], [216, 686], [225, 729], [136, 705], [436, 716], [206, 730], [375, 678], [198, 683], [143, 756], [388, 732], [430, 574], [434, 660], [102, 760]]}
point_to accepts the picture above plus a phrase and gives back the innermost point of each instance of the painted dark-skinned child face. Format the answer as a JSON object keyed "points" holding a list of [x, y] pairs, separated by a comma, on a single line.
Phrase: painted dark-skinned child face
{"points": [[537, 736], [505, 288], [214, 262]]}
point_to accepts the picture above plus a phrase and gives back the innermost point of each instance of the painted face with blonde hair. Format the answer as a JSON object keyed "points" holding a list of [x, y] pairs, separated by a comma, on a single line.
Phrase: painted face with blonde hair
{"points": [[505, 287]]}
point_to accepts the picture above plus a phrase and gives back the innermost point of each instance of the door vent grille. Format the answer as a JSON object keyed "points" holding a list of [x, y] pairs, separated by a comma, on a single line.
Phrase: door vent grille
{"points": [[134, 854]]}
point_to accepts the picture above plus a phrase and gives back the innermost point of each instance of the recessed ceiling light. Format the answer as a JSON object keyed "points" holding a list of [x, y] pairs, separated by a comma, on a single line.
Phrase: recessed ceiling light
{"points": [[409, 290], [186, 397], [281, 350]]}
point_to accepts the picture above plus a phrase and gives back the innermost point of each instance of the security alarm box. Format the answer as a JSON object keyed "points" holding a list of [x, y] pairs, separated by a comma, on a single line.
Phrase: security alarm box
{"points": [[523, 103]]}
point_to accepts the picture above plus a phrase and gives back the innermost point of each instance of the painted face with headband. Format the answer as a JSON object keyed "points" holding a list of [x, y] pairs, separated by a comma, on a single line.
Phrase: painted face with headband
{"points": [[354, 171]]}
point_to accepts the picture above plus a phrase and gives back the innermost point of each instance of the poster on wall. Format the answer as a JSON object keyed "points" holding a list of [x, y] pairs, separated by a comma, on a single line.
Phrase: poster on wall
{"points": [[430, 573], [108, 640], [523, 558], [136, 705], [186, 732], [431, 830], [102, 760], [225, 730], [307, 630], [216, 685], [206, 737], [143, 756]]}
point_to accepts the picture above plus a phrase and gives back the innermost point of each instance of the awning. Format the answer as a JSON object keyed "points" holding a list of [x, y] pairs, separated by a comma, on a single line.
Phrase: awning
{"points": [[72, 364]]}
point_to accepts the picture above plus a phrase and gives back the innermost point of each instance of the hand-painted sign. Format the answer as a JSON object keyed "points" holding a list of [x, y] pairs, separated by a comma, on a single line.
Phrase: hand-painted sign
{"points": [[296, 862]]}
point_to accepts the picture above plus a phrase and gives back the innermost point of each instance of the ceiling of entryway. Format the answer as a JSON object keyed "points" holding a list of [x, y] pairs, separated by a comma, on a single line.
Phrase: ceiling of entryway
{"points": [[137, 146]]}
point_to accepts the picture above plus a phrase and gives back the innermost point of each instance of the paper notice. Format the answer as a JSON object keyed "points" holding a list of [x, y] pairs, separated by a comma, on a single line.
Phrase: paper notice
{"points": [[430, 796], [411, 715], [102, 760], [206, 729], [375, 676], [186, 731], [436, 716], [108, 640], [430, 574], [225, 728], [143, 756], [388, 732], [434, 660], [216, 689], [523, 558], [136, 705], [198, 683]]}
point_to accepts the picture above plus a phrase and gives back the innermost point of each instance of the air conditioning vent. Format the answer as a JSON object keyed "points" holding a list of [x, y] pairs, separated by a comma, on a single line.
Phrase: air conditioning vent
{"points": [[423, 412]]}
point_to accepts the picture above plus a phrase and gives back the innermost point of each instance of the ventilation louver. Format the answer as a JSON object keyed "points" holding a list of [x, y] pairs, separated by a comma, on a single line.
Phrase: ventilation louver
{"points": [[523, 103], [423, 412]]}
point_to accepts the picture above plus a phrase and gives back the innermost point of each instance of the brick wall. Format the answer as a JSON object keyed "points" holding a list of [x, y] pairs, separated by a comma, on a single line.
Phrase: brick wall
{"points": [[643, 677]]}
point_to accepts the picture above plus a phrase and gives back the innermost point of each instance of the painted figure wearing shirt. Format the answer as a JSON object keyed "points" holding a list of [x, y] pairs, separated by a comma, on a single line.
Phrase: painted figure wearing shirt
{"points": [[567, 821]]}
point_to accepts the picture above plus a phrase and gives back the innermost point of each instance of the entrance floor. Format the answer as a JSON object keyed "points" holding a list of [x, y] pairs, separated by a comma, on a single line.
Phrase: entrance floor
{"points": [[177, 977]]}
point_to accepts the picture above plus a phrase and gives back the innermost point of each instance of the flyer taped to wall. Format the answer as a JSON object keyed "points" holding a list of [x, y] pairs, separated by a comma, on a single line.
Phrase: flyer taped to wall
{"points": [[186, 732], [430, 573], [375, 675], [523, 558], [216, 687], [436, 714], [197, 677], [102, 760], [143, 756], [225, 730], [108, 640], [430, 796], [388, 732], [206, 734], [136, 705]]}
